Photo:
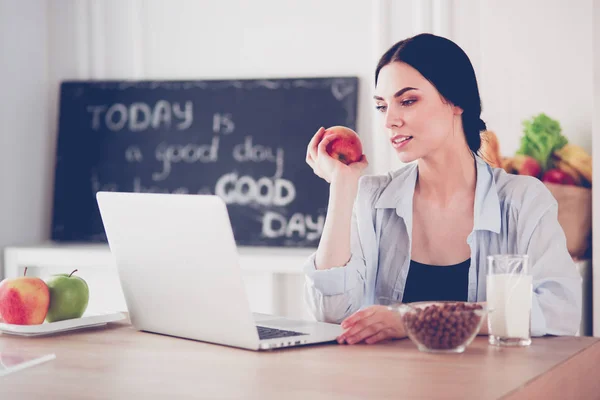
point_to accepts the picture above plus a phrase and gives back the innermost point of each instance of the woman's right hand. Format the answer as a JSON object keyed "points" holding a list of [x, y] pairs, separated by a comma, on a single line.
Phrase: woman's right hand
{"points": [[327, 167]]}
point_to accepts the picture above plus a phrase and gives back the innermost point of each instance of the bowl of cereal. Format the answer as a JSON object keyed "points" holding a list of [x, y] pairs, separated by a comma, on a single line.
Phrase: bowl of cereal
{"points": [[442, 326]]}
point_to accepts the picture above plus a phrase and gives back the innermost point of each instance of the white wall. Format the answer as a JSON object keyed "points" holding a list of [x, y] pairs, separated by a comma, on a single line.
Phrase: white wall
{"points": [[534, 56], [180, 39], [25, 146]]}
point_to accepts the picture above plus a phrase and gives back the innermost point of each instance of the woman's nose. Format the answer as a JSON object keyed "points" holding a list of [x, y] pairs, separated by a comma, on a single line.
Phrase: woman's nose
{"points": [[392, 119]]}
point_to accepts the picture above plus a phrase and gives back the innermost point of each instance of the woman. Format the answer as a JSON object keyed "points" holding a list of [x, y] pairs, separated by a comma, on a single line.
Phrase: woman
{"points": [[424, 232]]}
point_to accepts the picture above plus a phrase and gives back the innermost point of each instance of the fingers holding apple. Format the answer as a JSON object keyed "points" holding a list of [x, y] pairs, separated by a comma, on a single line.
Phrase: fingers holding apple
{"points": [[311, 150], [344, 144], [312, 155], [326, 165], [335, 150]]}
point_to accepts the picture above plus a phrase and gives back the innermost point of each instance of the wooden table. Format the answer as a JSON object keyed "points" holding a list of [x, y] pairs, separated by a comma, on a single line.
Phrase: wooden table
{"points": [[117, 362]]}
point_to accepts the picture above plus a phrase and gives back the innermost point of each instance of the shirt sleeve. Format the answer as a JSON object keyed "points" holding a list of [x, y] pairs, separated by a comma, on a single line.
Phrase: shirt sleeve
{"points": [[333, 294], [557, 285]]}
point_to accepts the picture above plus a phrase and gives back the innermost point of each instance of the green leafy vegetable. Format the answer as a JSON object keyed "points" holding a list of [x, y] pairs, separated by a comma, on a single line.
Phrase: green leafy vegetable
{"points": [[542, 136]]}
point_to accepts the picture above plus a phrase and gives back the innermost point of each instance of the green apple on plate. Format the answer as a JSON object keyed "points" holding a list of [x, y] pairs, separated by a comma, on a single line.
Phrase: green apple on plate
{"points": [[69, 296]]}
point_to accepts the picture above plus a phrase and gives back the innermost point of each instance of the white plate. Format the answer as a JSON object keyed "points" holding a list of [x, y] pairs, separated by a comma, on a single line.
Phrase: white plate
{"points": [[47, 328]]}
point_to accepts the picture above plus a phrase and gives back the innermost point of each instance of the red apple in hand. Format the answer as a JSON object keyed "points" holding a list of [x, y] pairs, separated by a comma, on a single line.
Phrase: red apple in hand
{"points": [[345, 146], [24, 300]]}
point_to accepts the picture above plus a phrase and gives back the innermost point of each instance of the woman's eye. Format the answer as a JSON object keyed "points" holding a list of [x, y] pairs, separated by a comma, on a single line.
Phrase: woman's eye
{"points": [[407, 103], [380, 108]]}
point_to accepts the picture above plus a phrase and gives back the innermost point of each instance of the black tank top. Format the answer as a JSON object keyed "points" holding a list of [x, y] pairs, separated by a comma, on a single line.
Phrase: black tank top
{"points": [[437, 283]]}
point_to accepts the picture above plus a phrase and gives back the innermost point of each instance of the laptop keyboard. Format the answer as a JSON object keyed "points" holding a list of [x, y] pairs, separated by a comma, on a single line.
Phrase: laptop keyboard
{"points": [[272, 333]]}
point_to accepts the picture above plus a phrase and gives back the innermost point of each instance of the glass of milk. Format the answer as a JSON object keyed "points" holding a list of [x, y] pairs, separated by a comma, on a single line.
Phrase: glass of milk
{"points": [[509, 294]]}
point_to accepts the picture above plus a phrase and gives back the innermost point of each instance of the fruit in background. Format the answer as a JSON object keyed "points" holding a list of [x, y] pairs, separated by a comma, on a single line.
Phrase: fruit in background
{"points": [[69, 296], [558, 176], [346, 145], [525, 165], [577, 158], [490, 149], [541, 137], [572, 172], [24, 300]]}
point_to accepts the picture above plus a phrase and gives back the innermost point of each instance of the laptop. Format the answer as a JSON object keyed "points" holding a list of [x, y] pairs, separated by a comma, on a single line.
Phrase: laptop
{"points": [[178, 266]]}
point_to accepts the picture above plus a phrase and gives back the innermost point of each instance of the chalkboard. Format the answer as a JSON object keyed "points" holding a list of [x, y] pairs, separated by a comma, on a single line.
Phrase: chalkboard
{"points": [[244, 140]]}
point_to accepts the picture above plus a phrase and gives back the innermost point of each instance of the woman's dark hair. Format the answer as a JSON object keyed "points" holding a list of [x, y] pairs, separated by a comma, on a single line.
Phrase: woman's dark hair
{"points": [[443, 63]]}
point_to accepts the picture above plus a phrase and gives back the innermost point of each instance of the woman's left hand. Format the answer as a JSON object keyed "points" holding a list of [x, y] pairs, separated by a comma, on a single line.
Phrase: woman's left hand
{"points": [[372, 325]]}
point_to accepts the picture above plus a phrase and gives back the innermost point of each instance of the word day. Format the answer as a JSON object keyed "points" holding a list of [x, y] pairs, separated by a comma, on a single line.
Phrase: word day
{"points": [[275, 225], [250, 152]]}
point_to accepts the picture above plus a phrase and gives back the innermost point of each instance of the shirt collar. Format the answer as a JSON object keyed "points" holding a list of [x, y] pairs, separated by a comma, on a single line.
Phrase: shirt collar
{"points": [[399, 193]]}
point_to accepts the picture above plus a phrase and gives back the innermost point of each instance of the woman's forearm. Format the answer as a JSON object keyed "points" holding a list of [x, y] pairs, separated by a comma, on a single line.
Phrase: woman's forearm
{"points": [[334, 246]]}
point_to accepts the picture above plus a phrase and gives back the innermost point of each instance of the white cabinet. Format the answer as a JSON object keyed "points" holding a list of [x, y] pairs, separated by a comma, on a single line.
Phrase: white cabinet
{"points": [[273, 277], [587, 316]]}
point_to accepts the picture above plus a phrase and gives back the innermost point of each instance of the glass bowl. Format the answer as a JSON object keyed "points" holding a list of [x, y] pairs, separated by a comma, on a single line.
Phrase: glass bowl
{"points": [[442, 326]]}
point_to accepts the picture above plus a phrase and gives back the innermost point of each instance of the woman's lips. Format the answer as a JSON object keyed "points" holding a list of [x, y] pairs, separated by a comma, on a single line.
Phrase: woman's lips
{"points": [[400, 141]]}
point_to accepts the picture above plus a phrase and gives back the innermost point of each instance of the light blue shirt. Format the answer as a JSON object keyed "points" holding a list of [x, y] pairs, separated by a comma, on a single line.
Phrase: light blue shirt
{"points": [[513, 214]]}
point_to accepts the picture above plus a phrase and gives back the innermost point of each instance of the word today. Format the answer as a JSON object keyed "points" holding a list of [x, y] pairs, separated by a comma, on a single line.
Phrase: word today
{"points": [[141, 116]]}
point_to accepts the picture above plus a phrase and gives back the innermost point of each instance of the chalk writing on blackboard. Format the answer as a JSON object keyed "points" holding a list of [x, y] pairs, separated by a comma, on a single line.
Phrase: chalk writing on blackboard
{"points": [[244, 141]]}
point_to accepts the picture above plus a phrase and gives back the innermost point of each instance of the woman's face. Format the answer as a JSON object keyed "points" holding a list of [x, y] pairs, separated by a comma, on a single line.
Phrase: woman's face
{"points": [[417, 120]]}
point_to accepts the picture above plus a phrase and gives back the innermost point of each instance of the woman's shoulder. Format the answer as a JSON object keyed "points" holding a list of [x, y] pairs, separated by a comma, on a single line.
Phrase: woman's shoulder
{"points": [[521, 190], [370, 187], [373, 183]]}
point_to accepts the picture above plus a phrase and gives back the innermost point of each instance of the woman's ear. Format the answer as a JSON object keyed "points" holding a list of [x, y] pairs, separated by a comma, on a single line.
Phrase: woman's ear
{"points": [[457, 110]]}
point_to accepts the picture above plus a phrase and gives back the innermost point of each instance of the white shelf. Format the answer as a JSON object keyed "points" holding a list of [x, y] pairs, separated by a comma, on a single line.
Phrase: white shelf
{"points": [[273, 277], [51, 255]]}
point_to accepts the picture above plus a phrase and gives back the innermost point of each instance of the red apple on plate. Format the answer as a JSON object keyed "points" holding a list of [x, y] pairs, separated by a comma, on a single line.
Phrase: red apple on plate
{"points": [[24, 300], [345, 146]]}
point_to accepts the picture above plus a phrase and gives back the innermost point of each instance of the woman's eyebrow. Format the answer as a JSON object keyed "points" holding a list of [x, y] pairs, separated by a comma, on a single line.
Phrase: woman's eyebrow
{"points": [[398, 93]]}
